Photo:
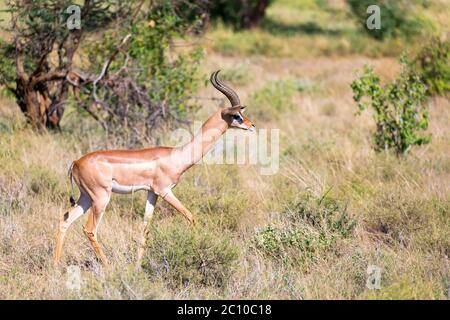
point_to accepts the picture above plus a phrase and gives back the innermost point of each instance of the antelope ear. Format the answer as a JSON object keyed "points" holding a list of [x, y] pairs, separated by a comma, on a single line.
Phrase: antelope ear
{"points": [[233, 110]]}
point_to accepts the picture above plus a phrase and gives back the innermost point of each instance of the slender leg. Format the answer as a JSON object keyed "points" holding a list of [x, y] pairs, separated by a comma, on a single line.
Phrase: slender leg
{"points": [[83, 205], [90, 229], [149, 208], [174, 202]]}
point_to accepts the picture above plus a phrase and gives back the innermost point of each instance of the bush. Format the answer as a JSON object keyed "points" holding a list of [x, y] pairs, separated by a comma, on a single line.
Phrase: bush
{"points": [[433, 65], [182, 255], [43, 180], [239, 13], [237, 75], [324, 214], [163, 80], [7, 69], [43, 57], [134, 80], [397, 17], [308, 226], [398, 110], [276, 96]]}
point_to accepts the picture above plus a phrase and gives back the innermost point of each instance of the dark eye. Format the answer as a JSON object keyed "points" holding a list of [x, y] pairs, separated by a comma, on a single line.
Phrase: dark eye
{"points": [[236, 117]]}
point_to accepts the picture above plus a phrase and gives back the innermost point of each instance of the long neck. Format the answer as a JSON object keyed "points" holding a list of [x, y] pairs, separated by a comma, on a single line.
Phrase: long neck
{"points": [[203, 141]]}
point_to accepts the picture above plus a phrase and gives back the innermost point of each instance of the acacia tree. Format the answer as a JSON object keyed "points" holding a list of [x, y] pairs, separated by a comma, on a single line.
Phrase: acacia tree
{"points": [[123, 48], [42, 49], [240, 14]]}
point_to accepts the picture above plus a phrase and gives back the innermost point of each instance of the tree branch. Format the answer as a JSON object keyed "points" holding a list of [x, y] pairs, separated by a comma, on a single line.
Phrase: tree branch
{"points": [[20, 69], [57, 74], [106, 66]]}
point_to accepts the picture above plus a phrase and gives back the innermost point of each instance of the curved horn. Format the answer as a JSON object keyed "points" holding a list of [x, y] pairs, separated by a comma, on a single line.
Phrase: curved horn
{"points": [[227, 91]]}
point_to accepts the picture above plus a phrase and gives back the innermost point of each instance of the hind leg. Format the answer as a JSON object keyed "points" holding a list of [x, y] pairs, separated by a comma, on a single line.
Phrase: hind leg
{"points": [[83, 205], [99, 203]]}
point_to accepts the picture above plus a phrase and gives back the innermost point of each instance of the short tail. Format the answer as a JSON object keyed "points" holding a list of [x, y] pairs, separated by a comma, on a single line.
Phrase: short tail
{"points": [[71, 199]]}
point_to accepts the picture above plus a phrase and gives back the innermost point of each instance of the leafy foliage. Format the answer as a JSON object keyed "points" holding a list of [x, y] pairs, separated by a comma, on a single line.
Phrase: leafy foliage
{"points": [[7, 69], [239, 14], [309, 225], [182, 256], [38, 31], [161, 79], [432, 63], [128, 87], [397, 17], [41, 25], [277, 95], [398, 110]]}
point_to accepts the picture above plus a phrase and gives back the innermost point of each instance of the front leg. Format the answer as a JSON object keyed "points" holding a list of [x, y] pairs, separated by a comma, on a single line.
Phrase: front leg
{"points": [[149, 208], [174, 202]]}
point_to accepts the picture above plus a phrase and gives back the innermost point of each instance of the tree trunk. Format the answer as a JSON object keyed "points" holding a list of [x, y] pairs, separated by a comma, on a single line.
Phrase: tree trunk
{"points": [[42, 94], [38, 107], [254, 14]]}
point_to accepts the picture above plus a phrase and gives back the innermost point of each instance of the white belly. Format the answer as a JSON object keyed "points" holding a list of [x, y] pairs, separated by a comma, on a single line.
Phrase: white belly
{"points": [[123, 189]]}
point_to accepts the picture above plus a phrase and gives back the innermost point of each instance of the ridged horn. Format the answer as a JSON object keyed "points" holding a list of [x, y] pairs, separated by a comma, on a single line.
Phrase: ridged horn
{"points": [[227, 91]]}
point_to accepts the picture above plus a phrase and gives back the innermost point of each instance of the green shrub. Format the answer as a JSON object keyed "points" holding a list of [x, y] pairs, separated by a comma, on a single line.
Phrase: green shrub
{"points": [[324, 214], [237, 75], [239, 13], [129, 87], [270, 240], [182, 255], [398, 110], [397, 17], [7, 69], [164, 81], [273, 97], [276, 96], [308, 226], [43, 180], [433, 65]]}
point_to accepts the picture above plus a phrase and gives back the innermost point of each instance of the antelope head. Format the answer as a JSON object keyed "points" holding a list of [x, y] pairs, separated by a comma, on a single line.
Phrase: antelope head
{"points": [[233, 115]]}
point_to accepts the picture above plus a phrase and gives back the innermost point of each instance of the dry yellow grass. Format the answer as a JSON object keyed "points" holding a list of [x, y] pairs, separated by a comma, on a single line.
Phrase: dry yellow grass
{"points": [[401, 206]]}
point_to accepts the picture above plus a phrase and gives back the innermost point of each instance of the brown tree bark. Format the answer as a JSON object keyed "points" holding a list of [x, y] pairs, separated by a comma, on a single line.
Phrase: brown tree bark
{"points": [[35, 101], [254, 14], [42, 93]]}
